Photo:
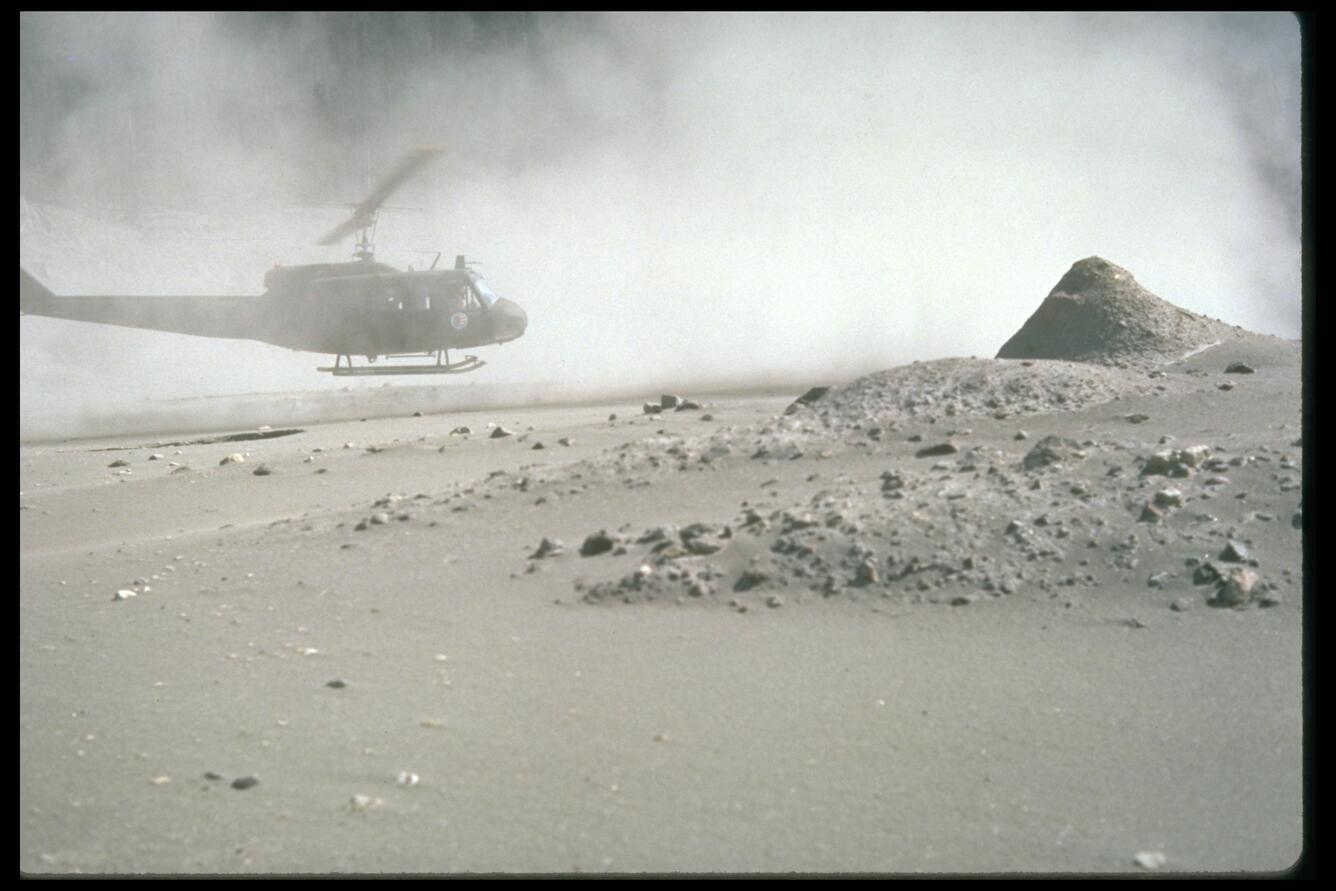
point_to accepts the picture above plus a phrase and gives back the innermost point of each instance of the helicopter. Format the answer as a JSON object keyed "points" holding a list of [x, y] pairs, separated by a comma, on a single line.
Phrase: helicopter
{"points": [[358, 308]]}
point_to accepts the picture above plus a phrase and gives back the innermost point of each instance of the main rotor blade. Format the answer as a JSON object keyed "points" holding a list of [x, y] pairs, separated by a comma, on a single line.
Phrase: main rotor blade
{"points": [[365, 213]]}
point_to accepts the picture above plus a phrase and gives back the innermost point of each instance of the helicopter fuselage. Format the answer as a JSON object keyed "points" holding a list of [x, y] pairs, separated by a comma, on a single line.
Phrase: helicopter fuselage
{"points": [[363, 308], [368, 308]]}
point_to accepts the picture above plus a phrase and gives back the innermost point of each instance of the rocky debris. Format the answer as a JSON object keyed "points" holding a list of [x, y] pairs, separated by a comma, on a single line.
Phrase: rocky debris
{"points": [[1168, 498], [262, 470], [806, 399], [688, 405], [1239, 368], [599, 543], [233, 459], [548, 547], [1176, 462], [460, 431], [1237, 588], [1150, 515], [667, 401], [932, 451], [1227, 385], [1052, 450], [1098, 313], [959, 388], [242, 783], [1235, 552], [500, 433], [651, 408]]}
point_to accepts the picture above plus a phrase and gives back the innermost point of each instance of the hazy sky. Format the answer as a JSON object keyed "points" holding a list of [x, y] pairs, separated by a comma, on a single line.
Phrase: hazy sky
{"points": [[670, 197]]}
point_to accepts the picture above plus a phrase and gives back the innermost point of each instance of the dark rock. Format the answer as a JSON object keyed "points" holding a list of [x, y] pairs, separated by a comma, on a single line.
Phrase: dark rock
{"points": [[932, 451], [688, 405], [262, 470], [244, 782], [460, 431], [1206, 574], [750, 578], [1234, 552], [1239, 368], [547, 547], [598, 543], [651, 408], [1137, 418], [501, 432], [336, 684], [119, 463], [806, 399], [667, 401]]}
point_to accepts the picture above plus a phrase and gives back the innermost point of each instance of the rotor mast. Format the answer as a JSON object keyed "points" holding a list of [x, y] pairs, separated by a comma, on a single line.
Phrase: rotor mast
{"points": [[363, 219]]}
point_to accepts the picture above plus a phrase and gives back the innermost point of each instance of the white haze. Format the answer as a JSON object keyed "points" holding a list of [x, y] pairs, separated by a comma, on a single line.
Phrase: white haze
{"points": [[681, 201]]}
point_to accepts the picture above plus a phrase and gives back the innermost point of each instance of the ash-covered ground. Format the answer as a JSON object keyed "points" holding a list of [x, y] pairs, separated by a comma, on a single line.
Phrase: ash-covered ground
{"points": [[1034, 613]]}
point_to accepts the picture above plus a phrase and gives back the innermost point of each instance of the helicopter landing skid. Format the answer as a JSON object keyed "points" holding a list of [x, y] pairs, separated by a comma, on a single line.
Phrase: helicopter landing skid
{"points": [[463, 366]]}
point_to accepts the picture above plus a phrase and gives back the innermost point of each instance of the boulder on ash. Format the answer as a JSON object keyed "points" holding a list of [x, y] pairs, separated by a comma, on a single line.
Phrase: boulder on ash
{"points": [[1098, 313]]}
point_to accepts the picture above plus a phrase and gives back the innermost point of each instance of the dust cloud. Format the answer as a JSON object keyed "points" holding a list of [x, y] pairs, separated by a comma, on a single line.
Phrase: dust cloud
{"points": [[677, 201]]}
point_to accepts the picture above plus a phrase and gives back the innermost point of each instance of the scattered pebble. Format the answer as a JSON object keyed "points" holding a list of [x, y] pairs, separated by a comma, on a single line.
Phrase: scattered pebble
{"points": [[336, 684], [245, 782]]}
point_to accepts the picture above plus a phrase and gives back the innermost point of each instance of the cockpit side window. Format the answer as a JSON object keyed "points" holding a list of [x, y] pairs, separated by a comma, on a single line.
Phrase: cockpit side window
{"points": [[484, 291]]}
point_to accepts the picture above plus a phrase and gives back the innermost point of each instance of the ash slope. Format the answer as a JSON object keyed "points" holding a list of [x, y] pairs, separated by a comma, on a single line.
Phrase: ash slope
{"points": [[1098, 313]]}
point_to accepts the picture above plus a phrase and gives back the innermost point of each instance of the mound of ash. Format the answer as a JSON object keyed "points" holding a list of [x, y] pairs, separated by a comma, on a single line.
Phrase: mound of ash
{"points": [[1098, 313], [946, 388]]}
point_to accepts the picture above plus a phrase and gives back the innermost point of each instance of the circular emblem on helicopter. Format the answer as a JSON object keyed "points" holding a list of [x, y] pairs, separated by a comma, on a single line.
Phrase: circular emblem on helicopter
{"points": [[459, 321]]}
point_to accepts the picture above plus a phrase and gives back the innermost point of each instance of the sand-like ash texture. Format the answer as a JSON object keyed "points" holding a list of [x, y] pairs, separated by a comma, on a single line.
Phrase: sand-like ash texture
{"points": [[1016, 614], [1099, 313]]}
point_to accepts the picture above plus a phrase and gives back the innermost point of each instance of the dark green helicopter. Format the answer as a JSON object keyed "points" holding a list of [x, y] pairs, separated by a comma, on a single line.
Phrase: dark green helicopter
{"points": [[361, 308]]}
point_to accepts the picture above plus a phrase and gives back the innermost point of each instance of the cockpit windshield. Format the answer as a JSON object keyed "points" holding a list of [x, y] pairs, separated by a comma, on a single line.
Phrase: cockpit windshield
{"points": [[486, 293]]}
